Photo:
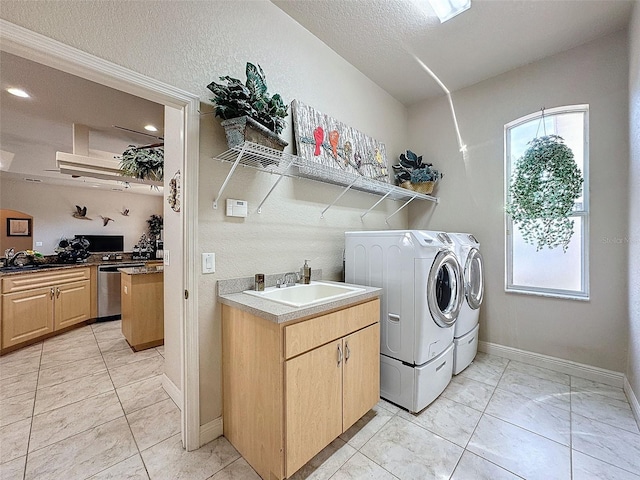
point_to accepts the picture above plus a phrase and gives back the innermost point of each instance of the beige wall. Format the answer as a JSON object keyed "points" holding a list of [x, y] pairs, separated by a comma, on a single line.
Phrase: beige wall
{"points": [[633, 367], [217, 38], [16, 242], [472, 196], [52, 207]]}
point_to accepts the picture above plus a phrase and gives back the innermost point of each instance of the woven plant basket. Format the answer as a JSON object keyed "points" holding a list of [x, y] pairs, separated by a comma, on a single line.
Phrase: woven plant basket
{"points": [[424, 187]]}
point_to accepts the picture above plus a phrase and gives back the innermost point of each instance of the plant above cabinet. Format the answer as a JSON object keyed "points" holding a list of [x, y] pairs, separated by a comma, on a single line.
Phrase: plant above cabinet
{"points": [[235, 100], [411, 173]]}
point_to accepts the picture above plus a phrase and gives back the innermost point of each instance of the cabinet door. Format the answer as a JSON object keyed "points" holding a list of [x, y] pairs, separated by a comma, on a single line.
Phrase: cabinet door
{"points": [[361, 374], [72, 303], [313, 403], [26, 315]]}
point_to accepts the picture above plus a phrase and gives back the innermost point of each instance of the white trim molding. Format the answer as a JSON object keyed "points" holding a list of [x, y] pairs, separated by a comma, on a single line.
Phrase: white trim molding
{"points": [[608, 377], [633, 400], [172, 390], [210, 431]]}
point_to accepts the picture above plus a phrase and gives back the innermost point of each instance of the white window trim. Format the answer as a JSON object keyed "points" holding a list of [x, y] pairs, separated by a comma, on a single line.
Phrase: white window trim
{"points": [[584, 213]]}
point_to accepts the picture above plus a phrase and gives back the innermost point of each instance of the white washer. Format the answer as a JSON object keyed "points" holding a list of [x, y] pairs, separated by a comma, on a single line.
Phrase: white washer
{"points": [[466, 327], [422, 295]]}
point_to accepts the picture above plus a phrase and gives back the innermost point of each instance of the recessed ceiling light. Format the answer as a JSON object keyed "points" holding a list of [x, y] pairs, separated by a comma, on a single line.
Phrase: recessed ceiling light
{"points": [[150, 128], [447, 9], [18, 92]]}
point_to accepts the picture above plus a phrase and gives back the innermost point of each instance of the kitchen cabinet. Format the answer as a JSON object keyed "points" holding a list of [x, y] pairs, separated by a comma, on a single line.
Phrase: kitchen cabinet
{"points": [[142, 301], [290, 389], [36, 304]]}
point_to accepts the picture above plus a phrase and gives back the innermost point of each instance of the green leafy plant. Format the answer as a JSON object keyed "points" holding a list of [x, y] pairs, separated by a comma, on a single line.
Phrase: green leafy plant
{"points": [[143, 163], [544, 186], [412, 169], [251, 99], [155, 223]]}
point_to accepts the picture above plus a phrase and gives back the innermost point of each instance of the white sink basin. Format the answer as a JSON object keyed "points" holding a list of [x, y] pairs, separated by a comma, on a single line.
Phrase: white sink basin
{"points": [[305, 295]]}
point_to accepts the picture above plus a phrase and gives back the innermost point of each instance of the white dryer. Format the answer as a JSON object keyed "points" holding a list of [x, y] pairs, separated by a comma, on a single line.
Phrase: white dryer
{"points": [[466, 327], [422, 295]]}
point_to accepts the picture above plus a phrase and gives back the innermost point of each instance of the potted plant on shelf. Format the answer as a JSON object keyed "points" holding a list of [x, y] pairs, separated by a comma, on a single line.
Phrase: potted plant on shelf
{"points": [[249, 113], [411, 173], [544, 186], [145, 163]]}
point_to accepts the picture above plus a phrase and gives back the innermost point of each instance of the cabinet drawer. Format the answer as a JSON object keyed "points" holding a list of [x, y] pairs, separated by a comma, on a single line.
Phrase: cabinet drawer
{"points": [[27, 281], [304, 336]]}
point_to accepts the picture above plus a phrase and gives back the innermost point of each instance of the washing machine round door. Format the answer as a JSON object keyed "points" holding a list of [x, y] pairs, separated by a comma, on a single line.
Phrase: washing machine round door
{"points": [[474, 279], [445, 289]]}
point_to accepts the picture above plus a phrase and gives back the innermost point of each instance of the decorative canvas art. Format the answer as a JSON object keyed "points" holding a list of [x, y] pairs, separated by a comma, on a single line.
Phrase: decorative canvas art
{"points": [[331, 143]]}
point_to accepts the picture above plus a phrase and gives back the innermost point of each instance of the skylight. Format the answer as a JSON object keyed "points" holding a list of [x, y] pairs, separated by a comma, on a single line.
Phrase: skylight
{"points": [[447, 9]]}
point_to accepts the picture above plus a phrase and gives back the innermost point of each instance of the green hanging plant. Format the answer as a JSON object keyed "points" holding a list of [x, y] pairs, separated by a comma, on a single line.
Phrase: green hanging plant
{"points": [[144, 163], [544, 187]]}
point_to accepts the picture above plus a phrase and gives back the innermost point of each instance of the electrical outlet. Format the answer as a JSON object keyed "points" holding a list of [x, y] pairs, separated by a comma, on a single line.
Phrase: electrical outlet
{"points": [[166, 257]]}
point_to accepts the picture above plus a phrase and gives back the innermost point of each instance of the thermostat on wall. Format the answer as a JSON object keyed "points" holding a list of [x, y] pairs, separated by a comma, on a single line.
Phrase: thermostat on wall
{"points": [[236, 208]]}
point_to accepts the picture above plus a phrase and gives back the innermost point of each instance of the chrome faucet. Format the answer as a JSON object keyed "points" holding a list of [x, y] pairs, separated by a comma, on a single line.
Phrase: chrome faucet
{"points": [[288, 280]]}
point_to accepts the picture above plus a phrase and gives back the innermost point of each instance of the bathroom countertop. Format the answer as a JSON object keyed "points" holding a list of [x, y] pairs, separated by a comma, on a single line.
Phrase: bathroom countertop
{"points": [[280, 313]]}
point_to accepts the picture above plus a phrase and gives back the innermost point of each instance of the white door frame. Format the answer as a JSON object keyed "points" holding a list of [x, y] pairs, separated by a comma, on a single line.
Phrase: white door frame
{"points": [[39, 48]]}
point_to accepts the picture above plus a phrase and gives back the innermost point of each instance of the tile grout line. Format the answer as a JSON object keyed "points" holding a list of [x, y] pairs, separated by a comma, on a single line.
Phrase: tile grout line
{"points": [[35, 396], [124, 413], [483, 413]]}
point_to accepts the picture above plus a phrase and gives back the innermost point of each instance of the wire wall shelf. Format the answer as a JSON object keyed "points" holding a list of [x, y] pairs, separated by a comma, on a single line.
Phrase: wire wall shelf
{"points": [[287, 165]]}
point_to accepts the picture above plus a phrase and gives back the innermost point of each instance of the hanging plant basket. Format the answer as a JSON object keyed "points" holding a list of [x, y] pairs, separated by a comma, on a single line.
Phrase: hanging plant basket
{"points": [[544, 187], [143, 163]]}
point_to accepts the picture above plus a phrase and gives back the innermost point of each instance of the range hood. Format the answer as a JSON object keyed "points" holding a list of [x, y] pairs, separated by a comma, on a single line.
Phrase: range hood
{"points": [[81, 164]]}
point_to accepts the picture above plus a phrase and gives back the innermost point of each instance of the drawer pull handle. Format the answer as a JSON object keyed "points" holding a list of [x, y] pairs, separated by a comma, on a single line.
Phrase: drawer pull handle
{"points": [[51, 293], [347, 352], [394, 318], [471, 340], [443, 364], [339, 355], [57, 292]]}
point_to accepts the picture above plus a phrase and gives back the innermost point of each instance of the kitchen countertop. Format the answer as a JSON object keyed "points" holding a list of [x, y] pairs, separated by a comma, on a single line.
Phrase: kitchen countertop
{"points": [[280, 313], [141, 270], [64, 266]]}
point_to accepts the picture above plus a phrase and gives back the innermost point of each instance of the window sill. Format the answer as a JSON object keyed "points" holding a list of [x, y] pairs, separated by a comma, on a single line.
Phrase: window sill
{"points": [[550, 294]]}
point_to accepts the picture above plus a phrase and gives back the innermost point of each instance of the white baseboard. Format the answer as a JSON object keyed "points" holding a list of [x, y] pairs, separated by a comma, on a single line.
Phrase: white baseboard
{"points": [[608, 377], [172, 391], [211, 431], [633, 400]]}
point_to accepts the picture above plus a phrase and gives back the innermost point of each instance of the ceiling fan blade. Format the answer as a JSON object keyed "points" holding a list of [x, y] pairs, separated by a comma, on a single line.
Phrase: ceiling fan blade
{"points": [[136, 131]]}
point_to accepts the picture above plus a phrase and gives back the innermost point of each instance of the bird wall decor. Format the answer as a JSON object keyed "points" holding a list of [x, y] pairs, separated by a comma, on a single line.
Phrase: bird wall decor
{"points": [[125, 212], [81, 213], [106, 220]]}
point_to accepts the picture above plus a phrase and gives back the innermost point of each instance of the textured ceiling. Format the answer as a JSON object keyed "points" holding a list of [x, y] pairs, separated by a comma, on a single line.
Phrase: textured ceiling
{"points": [[383, 38]]}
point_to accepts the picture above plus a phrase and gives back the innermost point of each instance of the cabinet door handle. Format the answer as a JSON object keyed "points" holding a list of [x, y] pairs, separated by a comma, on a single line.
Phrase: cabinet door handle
{"points": [[347, 352], [57, 292], [51, 293], [339, 355]]}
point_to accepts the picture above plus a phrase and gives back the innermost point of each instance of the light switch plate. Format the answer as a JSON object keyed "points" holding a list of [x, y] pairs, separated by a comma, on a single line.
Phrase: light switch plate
{"points": [[208, 262], [166, 257]]}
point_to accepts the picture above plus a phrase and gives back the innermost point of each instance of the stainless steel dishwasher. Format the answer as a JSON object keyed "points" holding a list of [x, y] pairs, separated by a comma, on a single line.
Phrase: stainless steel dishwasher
{"points": [[109, 290]]}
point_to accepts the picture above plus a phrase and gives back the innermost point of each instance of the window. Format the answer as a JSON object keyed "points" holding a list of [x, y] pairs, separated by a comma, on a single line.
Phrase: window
{"points": [[550, 272]]}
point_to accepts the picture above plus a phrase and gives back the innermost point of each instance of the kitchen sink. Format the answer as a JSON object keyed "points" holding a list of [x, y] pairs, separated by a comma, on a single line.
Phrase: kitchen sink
{"points": [[305, 295]]}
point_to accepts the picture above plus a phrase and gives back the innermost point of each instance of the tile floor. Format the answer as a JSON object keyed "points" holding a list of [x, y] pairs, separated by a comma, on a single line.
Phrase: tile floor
{"points": [[82, 405]]}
